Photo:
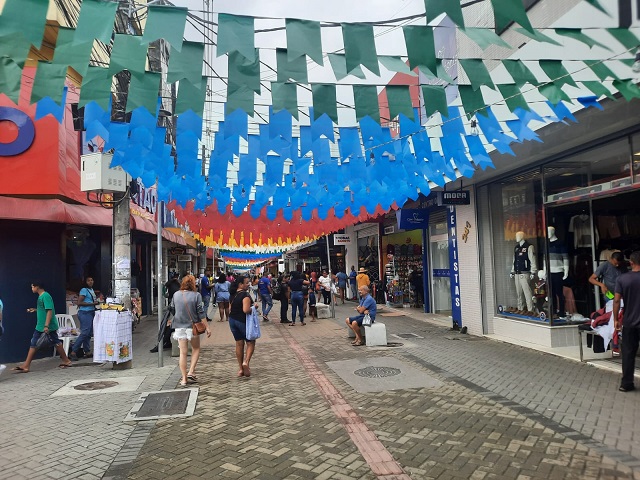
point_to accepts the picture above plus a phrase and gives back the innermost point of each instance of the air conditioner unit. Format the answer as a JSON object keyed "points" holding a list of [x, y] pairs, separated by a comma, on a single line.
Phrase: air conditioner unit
{"points": [[184, 258], [95, 174]]}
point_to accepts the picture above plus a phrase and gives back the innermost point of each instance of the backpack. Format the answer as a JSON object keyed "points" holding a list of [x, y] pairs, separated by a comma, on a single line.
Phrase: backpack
{"points": [[276, 287]]}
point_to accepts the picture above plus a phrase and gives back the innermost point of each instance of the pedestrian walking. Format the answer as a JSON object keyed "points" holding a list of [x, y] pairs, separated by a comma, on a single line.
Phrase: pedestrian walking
{"points": [[284, 297], [265, 290], [313, 310], [627, 289], [205, 292], [241, 304], [342, 278], [221, 288], [187, 308], [366, 306], [87, 302], [171, 287], [46, 322], [298, 284]]}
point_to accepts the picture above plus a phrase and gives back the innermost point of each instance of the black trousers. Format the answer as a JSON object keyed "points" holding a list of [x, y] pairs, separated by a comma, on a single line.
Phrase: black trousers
{"points": [[630, 338], [556, 289], [326, 295], [284, 308]]}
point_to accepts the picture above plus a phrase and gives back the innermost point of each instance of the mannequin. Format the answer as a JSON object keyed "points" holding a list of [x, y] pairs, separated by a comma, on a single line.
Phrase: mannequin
{"points": [[523, 270], [558, 269]]}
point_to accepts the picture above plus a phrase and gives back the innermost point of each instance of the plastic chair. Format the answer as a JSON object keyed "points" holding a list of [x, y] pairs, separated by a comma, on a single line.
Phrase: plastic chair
{"points": [[66, 321]]}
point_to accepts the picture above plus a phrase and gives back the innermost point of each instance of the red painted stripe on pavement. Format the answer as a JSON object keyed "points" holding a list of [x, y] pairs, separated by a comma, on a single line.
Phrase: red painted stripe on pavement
{"points": [[381, 462]]}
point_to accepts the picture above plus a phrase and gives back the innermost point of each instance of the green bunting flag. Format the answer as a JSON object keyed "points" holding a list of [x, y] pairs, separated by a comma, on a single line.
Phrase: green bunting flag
{"points": [[143, 91], [477, 72], [556, 72], [284, 96], [360, 47], [128, 54], [191, 97], [96, 87], [596, 4], [165, 22], [339, 64], [395, 64], [295, 70], [14, 47], [324, 101], [576, 34], [600, 69], [420, 47], [49, 82], [244, 71], [236, 34], [399, 99], [598, 89], [95, 21], [507, 11], [27, 17], [10, 75], [484, 37], [627, 88], [553, 93], [519, 72], [435, 99], [625, 37], [513, 97], [304, 38], [472, 101], [366, 102], [452, 8], [239, 97], [186, 63], [538, 36], [66, 53]]}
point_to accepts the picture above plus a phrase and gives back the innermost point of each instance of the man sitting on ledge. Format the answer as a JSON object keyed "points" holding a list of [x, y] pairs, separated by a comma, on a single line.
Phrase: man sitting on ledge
{"points": [[367, 305]]}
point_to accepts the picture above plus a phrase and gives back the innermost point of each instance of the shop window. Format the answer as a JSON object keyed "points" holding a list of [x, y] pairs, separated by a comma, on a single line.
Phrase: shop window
{"points": [[635, 143], [518, 247], [589, 173]]}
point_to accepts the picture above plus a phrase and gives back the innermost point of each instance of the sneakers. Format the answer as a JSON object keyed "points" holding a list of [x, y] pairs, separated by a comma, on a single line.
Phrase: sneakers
{"points": [[629, 388]]}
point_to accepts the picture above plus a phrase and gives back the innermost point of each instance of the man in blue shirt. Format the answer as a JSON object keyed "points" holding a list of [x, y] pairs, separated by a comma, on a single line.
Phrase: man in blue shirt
{"points": [[87, 302], [352, 281], [367, 306], [205, 292], [264, 288]]}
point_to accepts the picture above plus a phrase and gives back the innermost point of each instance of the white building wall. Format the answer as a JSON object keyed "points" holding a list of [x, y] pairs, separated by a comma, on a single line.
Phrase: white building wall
{"points": [[351, 250], [470, 298]]}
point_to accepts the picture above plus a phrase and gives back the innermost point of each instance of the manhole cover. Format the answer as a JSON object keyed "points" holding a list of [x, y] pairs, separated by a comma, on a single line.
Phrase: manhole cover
{"points": [[394, 344], [377, 372], [408, 335], [96, 385], [164, 403]]}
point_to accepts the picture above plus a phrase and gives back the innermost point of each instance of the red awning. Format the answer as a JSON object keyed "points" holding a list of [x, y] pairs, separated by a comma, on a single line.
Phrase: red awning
{"points": [[57, 211]]}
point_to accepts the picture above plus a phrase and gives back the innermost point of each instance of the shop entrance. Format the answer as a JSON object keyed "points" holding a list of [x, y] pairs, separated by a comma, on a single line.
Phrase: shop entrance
{"points": [[440, 272], [592, 230]]}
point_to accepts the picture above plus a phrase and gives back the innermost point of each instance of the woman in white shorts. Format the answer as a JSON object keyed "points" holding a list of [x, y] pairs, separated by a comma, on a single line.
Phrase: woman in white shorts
{"points": [[187, 308]]}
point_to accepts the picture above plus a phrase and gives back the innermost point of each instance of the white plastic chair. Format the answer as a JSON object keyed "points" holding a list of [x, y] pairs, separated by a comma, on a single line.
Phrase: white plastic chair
{"points": [[66, 321]]}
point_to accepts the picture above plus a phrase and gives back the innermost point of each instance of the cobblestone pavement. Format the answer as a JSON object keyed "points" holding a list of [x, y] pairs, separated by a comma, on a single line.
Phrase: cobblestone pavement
{"points": [[502, 412]]}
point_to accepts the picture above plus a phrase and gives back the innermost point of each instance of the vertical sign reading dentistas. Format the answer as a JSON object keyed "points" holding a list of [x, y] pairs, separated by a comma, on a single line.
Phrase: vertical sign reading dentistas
{"points": [[456, 311]]}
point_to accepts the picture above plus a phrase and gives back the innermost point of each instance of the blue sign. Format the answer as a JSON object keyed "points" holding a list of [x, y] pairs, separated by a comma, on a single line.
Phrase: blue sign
{"points": [[26, 132], [456, 311], [412, 219]]}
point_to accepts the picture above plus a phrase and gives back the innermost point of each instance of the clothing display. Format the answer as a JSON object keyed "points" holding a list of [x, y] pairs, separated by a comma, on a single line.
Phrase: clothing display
{"points": [[580, 226], [608, 226], [523, 291], [558, 294], [558, 257]]}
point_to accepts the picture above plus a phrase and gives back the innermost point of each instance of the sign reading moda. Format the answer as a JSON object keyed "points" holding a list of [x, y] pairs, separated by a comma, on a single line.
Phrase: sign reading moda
{"points": [[460, 197], [341, 239]]}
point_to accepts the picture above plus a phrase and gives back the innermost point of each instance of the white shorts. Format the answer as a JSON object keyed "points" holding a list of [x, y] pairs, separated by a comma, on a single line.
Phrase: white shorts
{"points": [[183, 334]]}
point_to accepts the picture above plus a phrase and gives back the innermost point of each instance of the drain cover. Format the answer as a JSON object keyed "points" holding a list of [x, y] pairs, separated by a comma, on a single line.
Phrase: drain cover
{"points": [[165, 403], [96, 385], [377, 372], [408, 335]]}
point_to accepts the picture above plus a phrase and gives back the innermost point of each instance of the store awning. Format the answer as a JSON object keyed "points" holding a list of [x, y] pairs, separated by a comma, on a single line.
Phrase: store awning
{"points": [[57, 211], [192, 242]]}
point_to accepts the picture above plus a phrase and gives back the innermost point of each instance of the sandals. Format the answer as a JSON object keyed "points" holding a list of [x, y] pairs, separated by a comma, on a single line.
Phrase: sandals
{"points": [[293, 324], [65, 365], [357, 344], [193, 378], [302, 323], [19, 369]]}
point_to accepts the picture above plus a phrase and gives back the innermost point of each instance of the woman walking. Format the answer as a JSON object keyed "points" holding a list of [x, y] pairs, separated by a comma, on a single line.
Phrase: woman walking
{"points": [[297, 284], [241, 303], [285, 296], [187, 308], [221, 288]]}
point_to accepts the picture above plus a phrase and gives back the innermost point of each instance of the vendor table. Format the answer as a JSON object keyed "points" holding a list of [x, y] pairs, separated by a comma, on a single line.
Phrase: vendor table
{"points": [[112, 336]]}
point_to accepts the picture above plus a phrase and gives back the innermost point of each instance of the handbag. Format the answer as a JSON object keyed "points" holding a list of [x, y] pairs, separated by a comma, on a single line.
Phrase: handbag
{"points": [[44, 341], [199, 327], [366, 321], [253, 325]]}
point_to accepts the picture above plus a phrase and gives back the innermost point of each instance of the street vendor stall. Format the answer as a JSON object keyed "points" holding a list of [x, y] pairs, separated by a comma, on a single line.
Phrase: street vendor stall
{"points": [[112, 336]]}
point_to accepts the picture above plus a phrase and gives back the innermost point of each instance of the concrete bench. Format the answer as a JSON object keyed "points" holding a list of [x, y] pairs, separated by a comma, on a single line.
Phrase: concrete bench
{"points": [[376, 335], [352, 334], [323, 311]]}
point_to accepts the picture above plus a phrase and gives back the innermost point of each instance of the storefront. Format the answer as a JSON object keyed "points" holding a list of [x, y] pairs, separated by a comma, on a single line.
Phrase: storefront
{"points": [[403, 268]]}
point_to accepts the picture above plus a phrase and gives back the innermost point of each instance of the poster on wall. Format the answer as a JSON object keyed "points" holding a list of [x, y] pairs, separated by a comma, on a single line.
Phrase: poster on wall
{"points": [[520, 213]]}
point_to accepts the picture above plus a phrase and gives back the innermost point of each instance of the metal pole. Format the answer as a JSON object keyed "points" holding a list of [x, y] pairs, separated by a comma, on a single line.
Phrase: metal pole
{"points": [[159, 275], [333, 300]]}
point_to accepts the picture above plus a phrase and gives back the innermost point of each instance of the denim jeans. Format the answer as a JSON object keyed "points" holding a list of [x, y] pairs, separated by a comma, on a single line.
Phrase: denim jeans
{"points": [[86, 330], [267, 303], [297, 303]]}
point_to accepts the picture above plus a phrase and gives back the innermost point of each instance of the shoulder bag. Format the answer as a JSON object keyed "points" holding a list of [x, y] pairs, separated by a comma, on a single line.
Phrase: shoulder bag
{"points": [[253, 325], [198, 327], [366, 321]]}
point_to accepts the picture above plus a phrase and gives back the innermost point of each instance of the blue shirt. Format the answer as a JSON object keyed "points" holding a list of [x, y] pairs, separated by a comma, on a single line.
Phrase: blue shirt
{"points": [[352, 276], [263, 286], [205, 291], [369, 304], [342, 279], [89, 297]]}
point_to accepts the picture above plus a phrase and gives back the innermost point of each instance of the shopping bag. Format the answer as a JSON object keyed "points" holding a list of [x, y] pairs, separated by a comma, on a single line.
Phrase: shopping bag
{"points": [[43, 341], [253, 325], [366, 321]]}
